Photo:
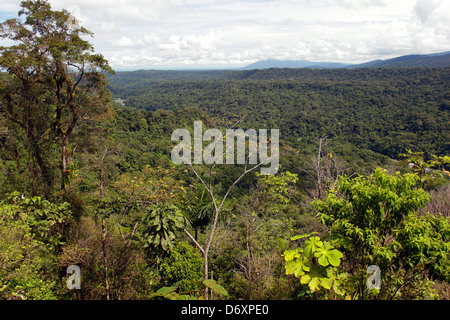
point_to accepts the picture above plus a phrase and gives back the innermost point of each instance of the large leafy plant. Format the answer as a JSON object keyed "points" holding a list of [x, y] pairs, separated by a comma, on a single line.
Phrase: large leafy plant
{"points": [[374, 221], [31, 233], [316, 263], [171, 293], [160, 226]]}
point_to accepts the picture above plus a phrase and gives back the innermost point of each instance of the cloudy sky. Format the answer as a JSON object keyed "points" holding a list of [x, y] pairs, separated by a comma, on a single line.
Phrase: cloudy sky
{"points": [[189, 34]]}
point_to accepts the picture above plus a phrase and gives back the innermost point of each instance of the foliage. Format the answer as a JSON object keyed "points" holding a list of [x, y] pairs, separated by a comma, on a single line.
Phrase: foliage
{"points": [[182, 268], [45, 219], [215, 287], [160, 224], [148, 198], [124, 212], [373, 221], [277, 188], [54, 81], [247, 252], [171, 294], [425, 242], [316, 264], [31, 232], [428, 171], [152, 186], [365, 113], [199, 210], [126, 264]]}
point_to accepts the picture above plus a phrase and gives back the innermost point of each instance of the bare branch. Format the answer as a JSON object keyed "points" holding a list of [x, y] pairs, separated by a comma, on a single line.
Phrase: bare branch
{"points": [[204, 184], [131, 235], [120, 231], [237, 180], [196, 243], [237, 122]]}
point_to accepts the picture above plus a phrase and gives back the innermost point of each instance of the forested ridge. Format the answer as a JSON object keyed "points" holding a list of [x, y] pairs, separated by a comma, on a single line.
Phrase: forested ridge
{"points": [[87, 180], [383, 110]]}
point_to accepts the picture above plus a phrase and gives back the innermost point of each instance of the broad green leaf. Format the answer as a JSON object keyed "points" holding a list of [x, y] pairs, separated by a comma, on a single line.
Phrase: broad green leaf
{"points": [[326, 282], [298, 266], [185, 297], [311, 245], [323, 261], [303, 236], [314, 284], [295, 268], [166, 290], [305, 279], [328, 255], [290, 255], [214, 286], [334, 257]]}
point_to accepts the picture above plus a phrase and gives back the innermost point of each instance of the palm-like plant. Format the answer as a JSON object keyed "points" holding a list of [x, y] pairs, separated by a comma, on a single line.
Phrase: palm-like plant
{"points": [[200, 211]]}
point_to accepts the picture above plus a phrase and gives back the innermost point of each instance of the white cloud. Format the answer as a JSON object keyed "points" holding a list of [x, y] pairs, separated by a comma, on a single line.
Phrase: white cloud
{"points": [[354, 4], [431, 30], [425, 8], [108, 27], [123, 42], [95, 13], [165, 33]]}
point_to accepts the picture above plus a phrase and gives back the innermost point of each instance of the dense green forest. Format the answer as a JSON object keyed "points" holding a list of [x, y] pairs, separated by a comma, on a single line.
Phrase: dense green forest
{"points": [[385, 111], [86, 178]]}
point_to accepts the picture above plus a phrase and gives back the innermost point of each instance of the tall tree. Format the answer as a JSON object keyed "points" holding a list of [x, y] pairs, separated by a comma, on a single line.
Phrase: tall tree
{"points": [[218, 202], [55, 80]]}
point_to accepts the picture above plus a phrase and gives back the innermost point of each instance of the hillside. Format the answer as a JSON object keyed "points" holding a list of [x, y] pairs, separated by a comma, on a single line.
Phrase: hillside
{"points": [[410, 61], [437, 60], [267, 64], [361, 111], [143, 185]]}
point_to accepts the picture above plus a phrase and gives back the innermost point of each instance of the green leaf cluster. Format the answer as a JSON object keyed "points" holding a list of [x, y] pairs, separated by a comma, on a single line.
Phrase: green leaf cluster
{"points": [[171, 293], [44, 218], [315, 263], [160, 226], [425, 242], [429, 172], [361, 208], [183, 267], [30, 235], [374, 221]]}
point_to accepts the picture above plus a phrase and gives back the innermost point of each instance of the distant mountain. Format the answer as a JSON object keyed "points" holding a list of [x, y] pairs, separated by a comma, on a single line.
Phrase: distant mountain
{"points": [[267, 64], [435, 60]]}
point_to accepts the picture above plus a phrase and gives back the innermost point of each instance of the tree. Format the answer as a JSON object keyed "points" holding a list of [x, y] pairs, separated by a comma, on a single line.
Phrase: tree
{"points": [[182, 268], [217, 201], [32, 231], [199, 211], [428, 171], [374, 221], [218, 207], [148, 202], [55, 81], [248, 248], [324, 171]]}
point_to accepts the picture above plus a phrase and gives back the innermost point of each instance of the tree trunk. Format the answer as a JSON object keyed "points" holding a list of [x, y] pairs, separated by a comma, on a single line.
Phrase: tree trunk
{"points": [[105, 260], [101, 184], [64, 163], [205, 272], [41, 163]]}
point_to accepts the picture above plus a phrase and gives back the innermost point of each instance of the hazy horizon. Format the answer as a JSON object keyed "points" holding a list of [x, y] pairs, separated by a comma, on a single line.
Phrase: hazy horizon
{"points": [[219, 34]]}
